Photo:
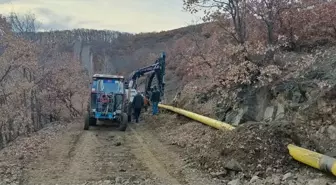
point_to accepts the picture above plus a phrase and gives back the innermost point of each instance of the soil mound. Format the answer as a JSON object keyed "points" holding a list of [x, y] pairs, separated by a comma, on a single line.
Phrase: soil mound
{"points": [[251, 148]]}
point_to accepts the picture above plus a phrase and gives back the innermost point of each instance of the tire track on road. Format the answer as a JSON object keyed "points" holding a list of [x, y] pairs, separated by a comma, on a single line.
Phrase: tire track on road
{"points": [[152, 163], [171, 160]]}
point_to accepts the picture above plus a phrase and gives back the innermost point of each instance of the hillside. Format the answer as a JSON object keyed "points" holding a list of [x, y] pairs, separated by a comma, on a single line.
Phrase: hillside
{"points": [[114, 52]]}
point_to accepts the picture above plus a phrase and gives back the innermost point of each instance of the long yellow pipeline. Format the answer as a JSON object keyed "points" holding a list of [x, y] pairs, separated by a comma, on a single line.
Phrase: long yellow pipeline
{"points": [[209, 121], [310, 158]]}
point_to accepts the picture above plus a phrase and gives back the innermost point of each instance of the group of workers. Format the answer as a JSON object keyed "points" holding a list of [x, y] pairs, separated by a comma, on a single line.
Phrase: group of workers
{"points": [[142, 101]]}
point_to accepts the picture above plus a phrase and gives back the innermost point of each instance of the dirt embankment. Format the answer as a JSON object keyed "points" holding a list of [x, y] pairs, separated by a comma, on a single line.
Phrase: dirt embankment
{"points": [[252, 151]]}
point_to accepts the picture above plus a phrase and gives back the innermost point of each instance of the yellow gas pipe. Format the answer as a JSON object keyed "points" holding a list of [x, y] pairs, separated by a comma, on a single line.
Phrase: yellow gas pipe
{"points": [[310, 158], [208, 121], [313, 159]]}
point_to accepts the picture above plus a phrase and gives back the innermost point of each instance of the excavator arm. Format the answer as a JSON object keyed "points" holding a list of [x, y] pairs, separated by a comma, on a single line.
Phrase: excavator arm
{"points": [[155, 70]]}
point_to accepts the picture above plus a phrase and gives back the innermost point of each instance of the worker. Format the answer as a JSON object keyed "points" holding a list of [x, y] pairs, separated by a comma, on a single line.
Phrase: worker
{"points": [[155, 99], [138, 103]]}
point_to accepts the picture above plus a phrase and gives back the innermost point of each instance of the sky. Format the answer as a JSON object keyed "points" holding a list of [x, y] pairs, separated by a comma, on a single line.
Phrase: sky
{"points": [[132, 16]]}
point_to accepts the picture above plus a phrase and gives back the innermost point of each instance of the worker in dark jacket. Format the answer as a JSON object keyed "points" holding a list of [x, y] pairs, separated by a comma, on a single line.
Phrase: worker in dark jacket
{"points": [[138, 103], [155, 99]]}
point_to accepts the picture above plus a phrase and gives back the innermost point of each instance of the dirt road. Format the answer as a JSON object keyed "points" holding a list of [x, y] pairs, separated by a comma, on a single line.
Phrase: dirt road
{"points": [[104, 155]]}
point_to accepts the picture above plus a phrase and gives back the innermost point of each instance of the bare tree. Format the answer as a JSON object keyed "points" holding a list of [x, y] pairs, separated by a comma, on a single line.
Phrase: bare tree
{"points": [[25, 25], [269, 12], [226, 12]]}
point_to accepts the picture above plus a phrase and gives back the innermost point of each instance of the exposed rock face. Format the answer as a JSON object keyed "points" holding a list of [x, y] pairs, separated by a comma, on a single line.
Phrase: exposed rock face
{"points": [[269, 103]]}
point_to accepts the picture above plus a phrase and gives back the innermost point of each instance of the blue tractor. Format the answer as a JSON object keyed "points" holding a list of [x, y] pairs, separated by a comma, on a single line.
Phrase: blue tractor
{"points": [[107, 101]]}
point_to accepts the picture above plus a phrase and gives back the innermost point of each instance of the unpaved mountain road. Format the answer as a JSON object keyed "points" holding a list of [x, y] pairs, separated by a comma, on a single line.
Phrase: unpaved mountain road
{"points": [[104, 155]]}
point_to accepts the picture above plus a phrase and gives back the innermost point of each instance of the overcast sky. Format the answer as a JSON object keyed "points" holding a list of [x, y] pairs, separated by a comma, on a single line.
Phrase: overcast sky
{"points": [[121, 15]]}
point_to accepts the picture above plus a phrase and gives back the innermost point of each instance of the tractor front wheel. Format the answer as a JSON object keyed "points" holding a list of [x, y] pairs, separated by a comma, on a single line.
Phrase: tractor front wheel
{"points": [[123, 122]]}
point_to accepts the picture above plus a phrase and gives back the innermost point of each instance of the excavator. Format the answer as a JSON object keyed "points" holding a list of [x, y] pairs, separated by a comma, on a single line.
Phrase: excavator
{"points": [[157, 69]]}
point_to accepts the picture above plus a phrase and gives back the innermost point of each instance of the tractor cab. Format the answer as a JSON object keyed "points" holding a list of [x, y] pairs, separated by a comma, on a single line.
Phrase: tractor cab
{"points": [[107, 99]]}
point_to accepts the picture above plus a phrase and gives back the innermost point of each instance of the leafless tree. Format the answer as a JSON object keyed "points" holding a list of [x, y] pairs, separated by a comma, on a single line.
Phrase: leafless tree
{"points": [[226, 11], [25, 25]]}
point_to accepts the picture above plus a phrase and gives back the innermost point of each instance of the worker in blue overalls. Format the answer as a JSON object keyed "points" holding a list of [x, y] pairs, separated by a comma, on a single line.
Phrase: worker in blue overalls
{"points": [[155, 99]]}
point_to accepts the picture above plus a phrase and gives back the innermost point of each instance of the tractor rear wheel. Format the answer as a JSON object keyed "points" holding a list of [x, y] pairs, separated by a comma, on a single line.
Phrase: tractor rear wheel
{"points": [[123, 122], [87, 122]]}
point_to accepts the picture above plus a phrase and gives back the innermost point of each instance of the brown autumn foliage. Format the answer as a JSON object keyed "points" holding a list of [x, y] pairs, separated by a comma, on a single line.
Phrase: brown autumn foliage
{"points": [[265, 26], [38, 85]]}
